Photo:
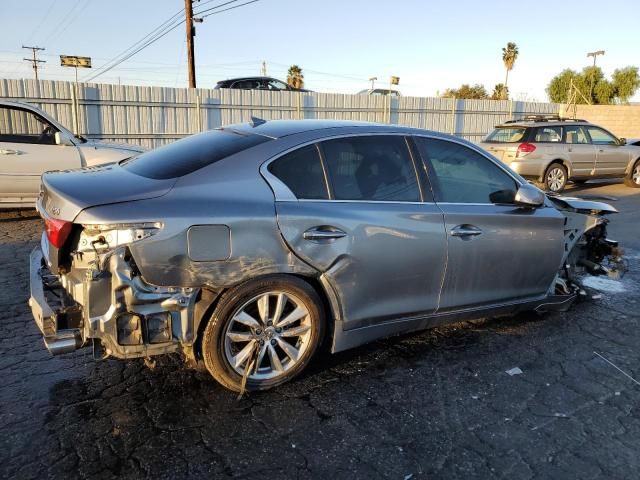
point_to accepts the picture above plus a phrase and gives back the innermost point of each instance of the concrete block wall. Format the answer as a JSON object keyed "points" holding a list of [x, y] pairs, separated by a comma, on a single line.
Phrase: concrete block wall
{"points": [[621, 120]]}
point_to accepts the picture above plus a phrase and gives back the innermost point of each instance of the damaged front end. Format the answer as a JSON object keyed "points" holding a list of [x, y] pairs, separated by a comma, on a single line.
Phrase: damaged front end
{"points": [[587, 250], [89, 291]]}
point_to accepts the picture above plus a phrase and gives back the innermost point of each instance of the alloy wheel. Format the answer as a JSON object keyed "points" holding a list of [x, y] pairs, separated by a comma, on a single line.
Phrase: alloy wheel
{"points": [[267, 335], [555, 179], [635, 176]]}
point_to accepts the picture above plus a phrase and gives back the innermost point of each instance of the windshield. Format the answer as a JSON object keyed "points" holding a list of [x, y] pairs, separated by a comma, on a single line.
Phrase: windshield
{"points": [[190, 154], [506, 135]]}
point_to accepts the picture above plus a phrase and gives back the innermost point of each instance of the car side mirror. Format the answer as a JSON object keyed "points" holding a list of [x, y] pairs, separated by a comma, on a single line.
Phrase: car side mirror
{"points": [[529, 196], [622, 141], [60, 140]]}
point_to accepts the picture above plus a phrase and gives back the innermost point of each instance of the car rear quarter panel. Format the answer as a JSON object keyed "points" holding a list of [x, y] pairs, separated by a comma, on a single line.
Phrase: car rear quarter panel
{"points": [[229, 193]]}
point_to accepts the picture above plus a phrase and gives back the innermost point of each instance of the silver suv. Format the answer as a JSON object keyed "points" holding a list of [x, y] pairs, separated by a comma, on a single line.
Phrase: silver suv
{"points": [[552, 151]]}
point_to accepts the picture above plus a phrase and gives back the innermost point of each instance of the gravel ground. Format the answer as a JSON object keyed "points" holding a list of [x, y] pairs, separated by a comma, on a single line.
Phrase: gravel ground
{"points": [[438, 404]]}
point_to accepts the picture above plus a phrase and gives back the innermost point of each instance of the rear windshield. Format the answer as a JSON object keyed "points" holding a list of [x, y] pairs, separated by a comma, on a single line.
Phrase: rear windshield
{"points": [[190, 154], [506, 135]]}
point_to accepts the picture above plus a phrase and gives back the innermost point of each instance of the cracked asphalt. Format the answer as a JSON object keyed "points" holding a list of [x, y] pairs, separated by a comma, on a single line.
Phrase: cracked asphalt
{"points": [[437, 404]]}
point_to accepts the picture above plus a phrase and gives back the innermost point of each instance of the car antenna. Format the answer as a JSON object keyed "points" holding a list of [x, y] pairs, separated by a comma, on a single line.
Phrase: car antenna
{"points": [[256, 122]]}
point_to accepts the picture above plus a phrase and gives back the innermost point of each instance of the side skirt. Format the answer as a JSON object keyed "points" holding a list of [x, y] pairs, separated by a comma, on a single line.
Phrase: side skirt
{"points": [[346, 339]]}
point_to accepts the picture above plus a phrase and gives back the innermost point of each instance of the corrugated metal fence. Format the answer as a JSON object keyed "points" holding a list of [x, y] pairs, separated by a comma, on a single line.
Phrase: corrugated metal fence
{"points": [[152, 116]]}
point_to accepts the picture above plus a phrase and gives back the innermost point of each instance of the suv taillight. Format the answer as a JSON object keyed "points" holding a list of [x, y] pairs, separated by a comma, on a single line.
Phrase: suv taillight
{"points": [[57, 231], [525, 149]]}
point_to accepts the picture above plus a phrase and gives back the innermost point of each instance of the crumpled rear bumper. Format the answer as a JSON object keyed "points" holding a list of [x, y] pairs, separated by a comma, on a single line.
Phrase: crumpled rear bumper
{"points": [[50, 318]]}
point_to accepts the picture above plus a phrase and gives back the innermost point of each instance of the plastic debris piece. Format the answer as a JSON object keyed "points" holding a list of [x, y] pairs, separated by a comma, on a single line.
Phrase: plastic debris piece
{"points": [[515, 371]]}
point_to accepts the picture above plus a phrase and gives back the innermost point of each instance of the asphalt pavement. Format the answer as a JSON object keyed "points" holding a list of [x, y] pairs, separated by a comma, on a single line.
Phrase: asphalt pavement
{"points": [[437, 404]]}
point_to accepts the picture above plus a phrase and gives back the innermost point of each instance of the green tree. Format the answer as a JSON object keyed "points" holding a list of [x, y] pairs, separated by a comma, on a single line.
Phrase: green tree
{"points": [[295, 78], [558, 89], [626, 82], [500, 92], [466, 91], [509, 56]]}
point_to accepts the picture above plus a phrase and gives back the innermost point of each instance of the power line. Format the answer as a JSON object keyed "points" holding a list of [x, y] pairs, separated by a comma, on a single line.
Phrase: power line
{"points": [[145, 41], [226, 9], [34, 60]]}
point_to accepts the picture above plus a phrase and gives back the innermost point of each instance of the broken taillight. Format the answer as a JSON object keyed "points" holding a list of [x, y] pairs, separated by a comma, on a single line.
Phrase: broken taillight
{"points": [[57, 231], [525, 149]]}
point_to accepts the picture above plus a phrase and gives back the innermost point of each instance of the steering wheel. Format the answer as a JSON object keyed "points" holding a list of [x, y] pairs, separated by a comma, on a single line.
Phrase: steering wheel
{"points": [[47, 135]]}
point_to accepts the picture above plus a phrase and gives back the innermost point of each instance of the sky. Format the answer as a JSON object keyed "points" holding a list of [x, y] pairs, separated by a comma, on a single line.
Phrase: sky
{"points": [[430, 45]]}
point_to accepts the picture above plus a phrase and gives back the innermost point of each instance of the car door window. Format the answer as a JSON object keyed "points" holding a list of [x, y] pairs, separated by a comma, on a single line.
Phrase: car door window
{"points": [[600, 137], [377, 168], [548, 135], [301, 171], [576, 135], [463, 175], [276, 85], [22, 126]]}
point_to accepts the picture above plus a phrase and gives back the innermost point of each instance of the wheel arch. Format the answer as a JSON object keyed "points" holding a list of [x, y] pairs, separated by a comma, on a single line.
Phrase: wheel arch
{"points": [[209, 298], [562, 161]]}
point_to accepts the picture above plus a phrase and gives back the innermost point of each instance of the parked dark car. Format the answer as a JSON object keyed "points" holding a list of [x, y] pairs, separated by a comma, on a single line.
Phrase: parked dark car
{"points": [[248, 246], [257, 83]]}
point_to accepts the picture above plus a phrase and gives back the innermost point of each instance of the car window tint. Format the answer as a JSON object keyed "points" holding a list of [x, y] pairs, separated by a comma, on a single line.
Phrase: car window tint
{"points": [[301, 171], [600, 137], [506, 135], [371, 168], [22, 126], [190, 154], [463, 175], [548, 134], [277, 85], [576, 134]]}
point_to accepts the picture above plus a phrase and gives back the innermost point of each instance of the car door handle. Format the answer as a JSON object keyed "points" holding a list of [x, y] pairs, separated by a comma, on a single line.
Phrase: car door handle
{"points": [[323, 233], [465, 231], [8, 151], [569, 149]]}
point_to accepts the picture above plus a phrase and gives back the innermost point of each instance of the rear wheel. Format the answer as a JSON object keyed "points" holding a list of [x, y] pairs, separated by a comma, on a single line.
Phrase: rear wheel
{"points": [[555, 177], [633, 179], [263, 332]]}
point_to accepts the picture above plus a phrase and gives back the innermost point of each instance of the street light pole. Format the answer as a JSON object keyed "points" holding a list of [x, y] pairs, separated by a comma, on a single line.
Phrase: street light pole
{"points": [[594, 55]]}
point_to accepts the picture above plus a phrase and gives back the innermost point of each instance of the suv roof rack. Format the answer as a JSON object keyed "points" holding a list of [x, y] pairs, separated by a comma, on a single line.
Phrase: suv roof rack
{"points": [[545, 118]]}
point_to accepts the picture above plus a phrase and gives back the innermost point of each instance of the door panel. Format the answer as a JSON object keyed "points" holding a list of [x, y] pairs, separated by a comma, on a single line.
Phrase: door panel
{"points": [[583, 160], [516, 254], [611, 159], [20, 171], [389, 263]]}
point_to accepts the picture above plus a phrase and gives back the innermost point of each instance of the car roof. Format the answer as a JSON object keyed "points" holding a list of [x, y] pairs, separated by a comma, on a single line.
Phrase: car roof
{"points": [[15, 103], [257, 77], [283, 128], [542, 120]]}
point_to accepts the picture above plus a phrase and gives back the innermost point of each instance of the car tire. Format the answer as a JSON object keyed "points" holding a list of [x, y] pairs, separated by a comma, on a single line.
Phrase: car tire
{"points": [[555, 178], [244, 321], [633, 179]]}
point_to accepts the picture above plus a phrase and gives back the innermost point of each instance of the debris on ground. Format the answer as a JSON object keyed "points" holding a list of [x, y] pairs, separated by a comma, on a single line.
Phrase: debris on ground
{"points": [[515, 371]]}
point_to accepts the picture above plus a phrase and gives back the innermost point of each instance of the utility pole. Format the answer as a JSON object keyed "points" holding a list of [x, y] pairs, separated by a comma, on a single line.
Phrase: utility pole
{"points": [[188, 11], [594, 55], [263, 71], [34, 60]]}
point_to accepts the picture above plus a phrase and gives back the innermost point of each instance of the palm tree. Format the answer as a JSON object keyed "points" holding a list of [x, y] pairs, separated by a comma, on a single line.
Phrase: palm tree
{"points": [[500, 92], [509, 55], [295, 78]]}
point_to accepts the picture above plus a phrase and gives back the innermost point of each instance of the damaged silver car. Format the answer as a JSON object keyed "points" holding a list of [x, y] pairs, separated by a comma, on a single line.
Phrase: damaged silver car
{"points": [[247, 247]]}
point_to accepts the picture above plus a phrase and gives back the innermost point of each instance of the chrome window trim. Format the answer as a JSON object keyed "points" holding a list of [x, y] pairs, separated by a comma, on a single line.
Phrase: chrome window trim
{"points": [[283, 193]]}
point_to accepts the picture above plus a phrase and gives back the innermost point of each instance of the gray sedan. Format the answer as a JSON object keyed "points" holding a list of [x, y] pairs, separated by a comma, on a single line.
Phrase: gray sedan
{"points": [[246, 247]]}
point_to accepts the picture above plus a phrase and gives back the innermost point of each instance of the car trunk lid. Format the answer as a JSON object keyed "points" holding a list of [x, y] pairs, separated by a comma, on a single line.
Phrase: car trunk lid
{"points": [[64, 194]]}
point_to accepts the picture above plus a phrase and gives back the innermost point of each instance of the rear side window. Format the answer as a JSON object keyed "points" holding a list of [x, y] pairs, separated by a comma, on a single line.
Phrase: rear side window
{"points": [[506, 135], [190, 154], [301, 171], [462, 175], [371, 168], [548, 134], [576, 134]]}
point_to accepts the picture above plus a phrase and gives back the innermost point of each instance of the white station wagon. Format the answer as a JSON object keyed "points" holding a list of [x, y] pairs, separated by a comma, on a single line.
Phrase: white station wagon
{"points": [[31, 143]]}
